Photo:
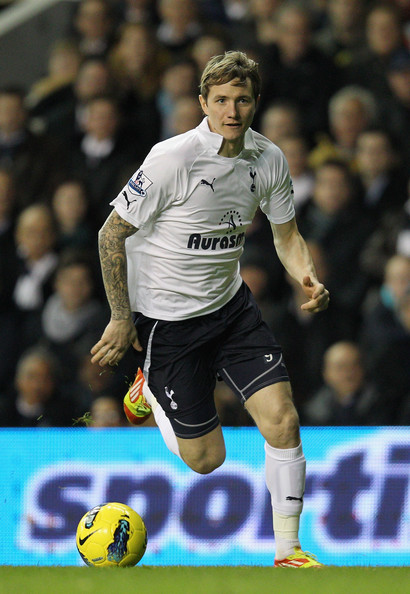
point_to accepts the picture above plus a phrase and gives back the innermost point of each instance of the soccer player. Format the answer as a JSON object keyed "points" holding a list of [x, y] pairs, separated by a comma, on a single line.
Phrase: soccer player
{"points": [[169, 255]]}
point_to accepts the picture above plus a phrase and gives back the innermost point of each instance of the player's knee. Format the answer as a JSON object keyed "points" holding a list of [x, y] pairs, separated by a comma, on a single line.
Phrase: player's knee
{"points": [[283, 425], [290, 422], [207, 462]]}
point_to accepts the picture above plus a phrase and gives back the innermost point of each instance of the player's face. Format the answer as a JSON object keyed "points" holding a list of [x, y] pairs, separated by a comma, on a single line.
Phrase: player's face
{"points": [[230, 109]]}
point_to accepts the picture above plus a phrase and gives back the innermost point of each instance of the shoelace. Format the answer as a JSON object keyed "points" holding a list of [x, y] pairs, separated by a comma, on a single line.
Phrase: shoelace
{"points": [[310, 555]]}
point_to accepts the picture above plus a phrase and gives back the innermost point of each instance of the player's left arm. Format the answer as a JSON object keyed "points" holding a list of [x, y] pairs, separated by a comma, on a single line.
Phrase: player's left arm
{"points": [[295, 257]]}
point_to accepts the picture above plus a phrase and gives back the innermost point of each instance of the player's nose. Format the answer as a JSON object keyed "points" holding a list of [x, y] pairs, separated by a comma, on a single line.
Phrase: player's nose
{"points": [[232, 110]]}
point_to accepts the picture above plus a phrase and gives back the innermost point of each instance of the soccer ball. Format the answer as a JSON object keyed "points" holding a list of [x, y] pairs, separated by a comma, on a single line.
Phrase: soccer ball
{"points": [[111, 534]]}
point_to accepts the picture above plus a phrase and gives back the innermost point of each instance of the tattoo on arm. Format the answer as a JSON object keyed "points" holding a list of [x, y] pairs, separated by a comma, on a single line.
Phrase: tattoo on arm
{"points": [[111, 246]]}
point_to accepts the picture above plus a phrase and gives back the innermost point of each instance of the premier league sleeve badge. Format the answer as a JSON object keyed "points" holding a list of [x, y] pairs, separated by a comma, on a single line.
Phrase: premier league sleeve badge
{"points": [[139, 184]]}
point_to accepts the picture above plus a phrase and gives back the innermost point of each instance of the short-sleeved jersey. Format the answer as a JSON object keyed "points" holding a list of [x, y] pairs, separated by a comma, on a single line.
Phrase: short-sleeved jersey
{"points": [[191, 207]]}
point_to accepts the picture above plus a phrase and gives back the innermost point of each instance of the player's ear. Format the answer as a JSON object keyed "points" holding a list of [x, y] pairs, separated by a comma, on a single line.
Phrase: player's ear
{"points": [[204, 105], [257, 100]]}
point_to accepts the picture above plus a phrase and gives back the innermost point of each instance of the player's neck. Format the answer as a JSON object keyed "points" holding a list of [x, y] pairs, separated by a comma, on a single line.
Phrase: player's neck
{"points": [[231, 149]]}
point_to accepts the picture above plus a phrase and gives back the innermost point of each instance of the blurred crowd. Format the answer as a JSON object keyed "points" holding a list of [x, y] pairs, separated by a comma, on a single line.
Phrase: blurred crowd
{"points": [[123, 76]]}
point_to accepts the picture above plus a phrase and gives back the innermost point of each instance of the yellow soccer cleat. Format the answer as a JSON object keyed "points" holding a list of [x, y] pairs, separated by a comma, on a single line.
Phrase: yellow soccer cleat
{"points": [[299, 560], [136, 407]]}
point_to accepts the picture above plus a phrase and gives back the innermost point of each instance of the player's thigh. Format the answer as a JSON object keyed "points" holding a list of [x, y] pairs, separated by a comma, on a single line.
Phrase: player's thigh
{"points": [[275, 415], [178, 367], [205, 453]]}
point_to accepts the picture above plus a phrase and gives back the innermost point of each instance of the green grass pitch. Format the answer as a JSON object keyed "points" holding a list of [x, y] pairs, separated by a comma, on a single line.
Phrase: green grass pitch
{"points": [[203, 580]]}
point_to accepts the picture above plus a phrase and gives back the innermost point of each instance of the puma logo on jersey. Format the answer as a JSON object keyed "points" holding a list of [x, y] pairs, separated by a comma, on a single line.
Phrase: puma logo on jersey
{"points": [[169, 394], [207, 183], [129, 202]]}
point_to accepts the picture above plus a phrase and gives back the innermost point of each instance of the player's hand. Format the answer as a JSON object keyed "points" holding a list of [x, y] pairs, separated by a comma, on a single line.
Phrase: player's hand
{"points": [[317, 294], [115, 341]]}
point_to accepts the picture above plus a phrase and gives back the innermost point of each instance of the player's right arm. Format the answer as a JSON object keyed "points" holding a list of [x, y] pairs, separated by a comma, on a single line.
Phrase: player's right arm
{"points": [[120, 332]]}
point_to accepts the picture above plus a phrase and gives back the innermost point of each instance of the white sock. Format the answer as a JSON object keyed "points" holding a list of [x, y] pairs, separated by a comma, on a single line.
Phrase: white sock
{"points": [[285, 471], [162, 421]]}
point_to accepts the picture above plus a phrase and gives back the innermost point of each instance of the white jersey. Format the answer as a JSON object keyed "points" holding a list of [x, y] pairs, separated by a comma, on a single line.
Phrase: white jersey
{"points": [[192, 207]]}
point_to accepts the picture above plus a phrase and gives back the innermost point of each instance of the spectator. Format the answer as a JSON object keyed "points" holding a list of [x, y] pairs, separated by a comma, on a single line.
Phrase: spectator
{"points": [[305, 338], [391, 236], [343, 34], [293, 66], [213, 14], [383, 29], [102, 154], [334, 219], [391, 369], [93, 26], [70, 209], [263, 278], [9, 343], [37, 260], [136, 63], [179, 80], [236, 10], [180, 25], [383, 182], [351, 110], [72, 316], [280, 119], [395, 108], [205, 47], [54, 88], [384, 36], [66, 119], [258, 242], [91, 383], [37, 399], [296, 151], [346, 397], [185, 115], [33, 159], [106, 411], [262, 26], [7, 205], [381, 323], [140, 12]]}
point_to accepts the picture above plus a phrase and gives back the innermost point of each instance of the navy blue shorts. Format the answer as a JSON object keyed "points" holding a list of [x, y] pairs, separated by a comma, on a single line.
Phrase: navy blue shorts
{"points": [[183, 359]]}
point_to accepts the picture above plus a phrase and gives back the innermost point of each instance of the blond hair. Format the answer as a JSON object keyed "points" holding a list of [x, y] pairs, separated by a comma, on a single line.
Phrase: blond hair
{"points": [[227, 67]]}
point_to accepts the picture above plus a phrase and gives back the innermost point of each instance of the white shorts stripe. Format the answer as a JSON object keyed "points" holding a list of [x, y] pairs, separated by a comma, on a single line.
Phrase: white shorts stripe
{"points": [[147, 362], [198, 424], [262, 374]]}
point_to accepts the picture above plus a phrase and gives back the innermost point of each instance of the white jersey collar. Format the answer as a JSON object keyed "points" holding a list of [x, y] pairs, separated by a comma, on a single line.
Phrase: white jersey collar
{"points": [[214, 140]]}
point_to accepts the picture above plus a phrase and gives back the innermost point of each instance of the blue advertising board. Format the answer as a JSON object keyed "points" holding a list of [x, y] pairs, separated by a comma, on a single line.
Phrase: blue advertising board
{"points": [[356, 506]]}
